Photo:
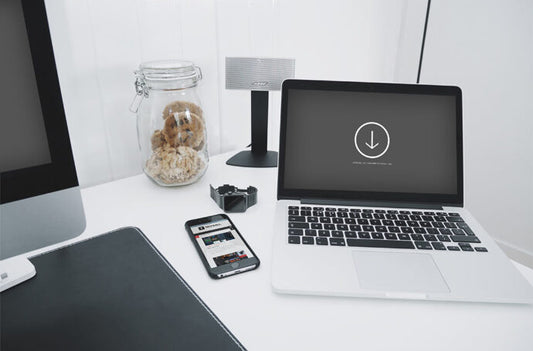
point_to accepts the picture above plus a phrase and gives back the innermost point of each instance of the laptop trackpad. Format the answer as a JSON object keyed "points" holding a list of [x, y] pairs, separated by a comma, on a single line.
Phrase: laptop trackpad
{"points": [[402, 272]]}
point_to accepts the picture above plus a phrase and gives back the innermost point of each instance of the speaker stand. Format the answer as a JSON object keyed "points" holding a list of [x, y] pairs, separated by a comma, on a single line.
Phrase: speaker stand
{"points": [[258, 156]]}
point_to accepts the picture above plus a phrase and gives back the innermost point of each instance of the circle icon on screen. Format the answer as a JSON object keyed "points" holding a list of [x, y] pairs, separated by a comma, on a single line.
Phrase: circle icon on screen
{"points": [[372, 140]]}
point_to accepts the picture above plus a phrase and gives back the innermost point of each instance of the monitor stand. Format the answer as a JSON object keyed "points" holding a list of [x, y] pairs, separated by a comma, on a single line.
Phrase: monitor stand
{"points": [[14, 271], [258, 156]]}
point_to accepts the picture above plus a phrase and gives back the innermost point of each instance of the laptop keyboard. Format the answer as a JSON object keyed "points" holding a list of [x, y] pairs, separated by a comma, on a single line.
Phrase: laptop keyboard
{"points": [[395, 229]]}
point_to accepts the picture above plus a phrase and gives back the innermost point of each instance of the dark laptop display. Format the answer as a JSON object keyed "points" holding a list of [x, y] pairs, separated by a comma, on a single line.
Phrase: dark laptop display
{"points": [[371, 142]]}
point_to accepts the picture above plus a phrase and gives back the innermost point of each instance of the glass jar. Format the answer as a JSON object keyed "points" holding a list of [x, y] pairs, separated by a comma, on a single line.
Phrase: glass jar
{"points": [[170, 122]]}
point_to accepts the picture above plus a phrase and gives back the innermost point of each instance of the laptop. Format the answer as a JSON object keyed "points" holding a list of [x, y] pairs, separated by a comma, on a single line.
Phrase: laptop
{"points": [[370, 198]]}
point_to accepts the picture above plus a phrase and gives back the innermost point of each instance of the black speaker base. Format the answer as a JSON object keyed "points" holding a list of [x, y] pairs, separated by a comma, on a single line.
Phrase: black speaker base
{"points": [[248, 158]]}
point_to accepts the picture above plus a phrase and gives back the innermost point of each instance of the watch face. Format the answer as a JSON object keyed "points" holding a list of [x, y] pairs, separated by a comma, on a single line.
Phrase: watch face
{"points": [[235, 203]]}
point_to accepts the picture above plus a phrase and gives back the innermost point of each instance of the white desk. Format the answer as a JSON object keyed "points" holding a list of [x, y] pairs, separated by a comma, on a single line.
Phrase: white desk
{"points": [[264, 320]]}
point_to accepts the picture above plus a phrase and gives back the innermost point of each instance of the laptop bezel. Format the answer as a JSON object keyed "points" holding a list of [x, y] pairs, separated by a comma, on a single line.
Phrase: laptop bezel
{"points": [[365, 196]]}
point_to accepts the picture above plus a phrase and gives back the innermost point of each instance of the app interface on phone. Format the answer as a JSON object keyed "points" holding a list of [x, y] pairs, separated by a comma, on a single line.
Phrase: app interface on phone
{"points": [[220, 243]]}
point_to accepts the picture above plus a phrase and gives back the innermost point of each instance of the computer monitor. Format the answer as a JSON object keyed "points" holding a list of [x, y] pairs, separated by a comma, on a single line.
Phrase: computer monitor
{"points": [[40, 201]]}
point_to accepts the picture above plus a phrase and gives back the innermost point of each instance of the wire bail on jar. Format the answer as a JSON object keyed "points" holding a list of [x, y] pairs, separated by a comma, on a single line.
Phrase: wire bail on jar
{"points": [[141, 92]]}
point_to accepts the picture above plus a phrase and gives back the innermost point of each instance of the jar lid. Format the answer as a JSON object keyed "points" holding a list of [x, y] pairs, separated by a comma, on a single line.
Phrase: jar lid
{"points": [[167, 71]]}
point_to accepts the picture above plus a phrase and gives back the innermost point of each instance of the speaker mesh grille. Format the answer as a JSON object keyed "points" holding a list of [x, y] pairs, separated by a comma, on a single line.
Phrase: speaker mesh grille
{"points": [[251, 73]]}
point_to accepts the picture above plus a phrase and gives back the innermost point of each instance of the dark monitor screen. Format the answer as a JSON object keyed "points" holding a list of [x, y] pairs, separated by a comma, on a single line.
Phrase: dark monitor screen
{"points": [[40, 201], [371, 141], [35, 151]]}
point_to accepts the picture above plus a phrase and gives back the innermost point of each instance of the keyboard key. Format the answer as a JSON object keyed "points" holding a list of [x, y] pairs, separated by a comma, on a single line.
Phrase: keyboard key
{"points": [[296, 232], [404, 212], [318, 214], [425, 224], [481, 249], [355, 215], [364, 235], [419, 230], [362, 221], [392, 211], [343, 209], [381, 228], [444, 238], [393, 229], [432, 231], [367, 210], [294, 207], [423, 245], [429, 213], [355, 228], [465, 239], [375, 222], [305, 213], [350, 234], [453, 248], [329, 226], [367, 215], [337, 220], [312, 219], [306, 208], [415, 218], [400, 223], [342, 227], [310, 232], [406, 230], [466, 247], [349, 221], [437, 225], [404, 237], [337, 234], [403, 217], [368, 228], [458, 231], [391, 236], [379, 216], [416, 212], [294, 212], [296, 219], [298, 225], [331, 209], [391, 216], [377, 235], [450, 225], [324, 220], [316, 226], [445, 231], [438, 246], [387, 222], [417, 237], [393, 244], [430, 237], [342, 214], [337, 241], [308, 240], [294, 239], [321, 241], [454, 219], [380, 211], [323, 233], [355, 210], [329, 214], [318, 208], [454, 214]]}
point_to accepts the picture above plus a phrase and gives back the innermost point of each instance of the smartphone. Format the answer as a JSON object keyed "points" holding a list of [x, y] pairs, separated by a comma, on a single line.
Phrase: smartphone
{"points": [[221, 247]]}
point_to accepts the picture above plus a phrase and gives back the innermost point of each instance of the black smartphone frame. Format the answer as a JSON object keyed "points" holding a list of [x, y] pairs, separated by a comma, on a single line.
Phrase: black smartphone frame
{"points": [[245, 265]]}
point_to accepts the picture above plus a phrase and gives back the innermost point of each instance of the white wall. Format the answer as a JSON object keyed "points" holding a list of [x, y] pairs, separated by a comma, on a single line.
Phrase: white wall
{"points": [[486, 48], [99, 43]]}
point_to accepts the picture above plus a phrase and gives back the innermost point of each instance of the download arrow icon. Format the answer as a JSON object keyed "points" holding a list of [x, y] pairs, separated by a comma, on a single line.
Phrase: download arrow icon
{"points": [[372, 145]]}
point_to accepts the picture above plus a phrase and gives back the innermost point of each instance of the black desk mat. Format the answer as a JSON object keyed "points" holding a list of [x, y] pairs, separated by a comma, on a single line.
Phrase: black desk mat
{"points": [[111, 292]]}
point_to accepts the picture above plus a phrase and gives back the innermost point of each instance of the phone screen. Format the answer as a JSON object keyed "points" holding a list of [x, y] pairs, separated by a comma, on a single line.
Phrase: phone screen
{"points": [[220, 243]]}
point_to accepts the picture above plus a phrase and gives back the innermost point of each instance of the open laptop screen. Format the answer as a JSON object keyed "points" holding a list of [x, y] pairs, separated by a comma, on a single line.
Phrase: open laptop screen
{"points": [[371, 141]]}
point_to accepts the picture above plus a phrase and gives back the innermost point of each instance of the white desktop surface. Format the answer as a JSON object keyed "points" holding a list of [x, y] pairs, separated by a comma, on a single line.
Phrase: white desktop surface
{"points": [[264, 320]]}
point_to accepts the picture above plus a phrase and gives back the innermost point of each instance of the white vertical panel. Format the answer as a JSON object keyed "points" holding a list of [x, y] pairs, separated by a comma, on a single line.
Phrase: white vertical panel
{"points": [[117, 51], [72, 37]]}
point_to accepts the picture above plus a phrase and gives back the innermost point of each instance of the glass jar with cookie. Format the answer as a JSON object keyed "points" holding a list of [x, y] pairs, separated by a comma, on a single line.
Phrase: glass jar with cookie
{"points": [[170, 122]]}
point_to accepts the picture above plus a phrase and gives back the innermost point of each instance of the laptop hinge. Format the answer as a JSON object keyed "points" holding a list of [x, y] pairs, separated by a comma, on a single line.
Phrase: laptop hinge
{"points": [[392, 204]]}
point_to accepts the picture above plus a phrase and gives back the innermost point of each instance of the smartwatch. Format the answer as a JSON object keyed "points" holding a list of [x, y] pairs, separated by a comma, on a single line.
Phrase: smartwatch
{"points": [[231, 199]]}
